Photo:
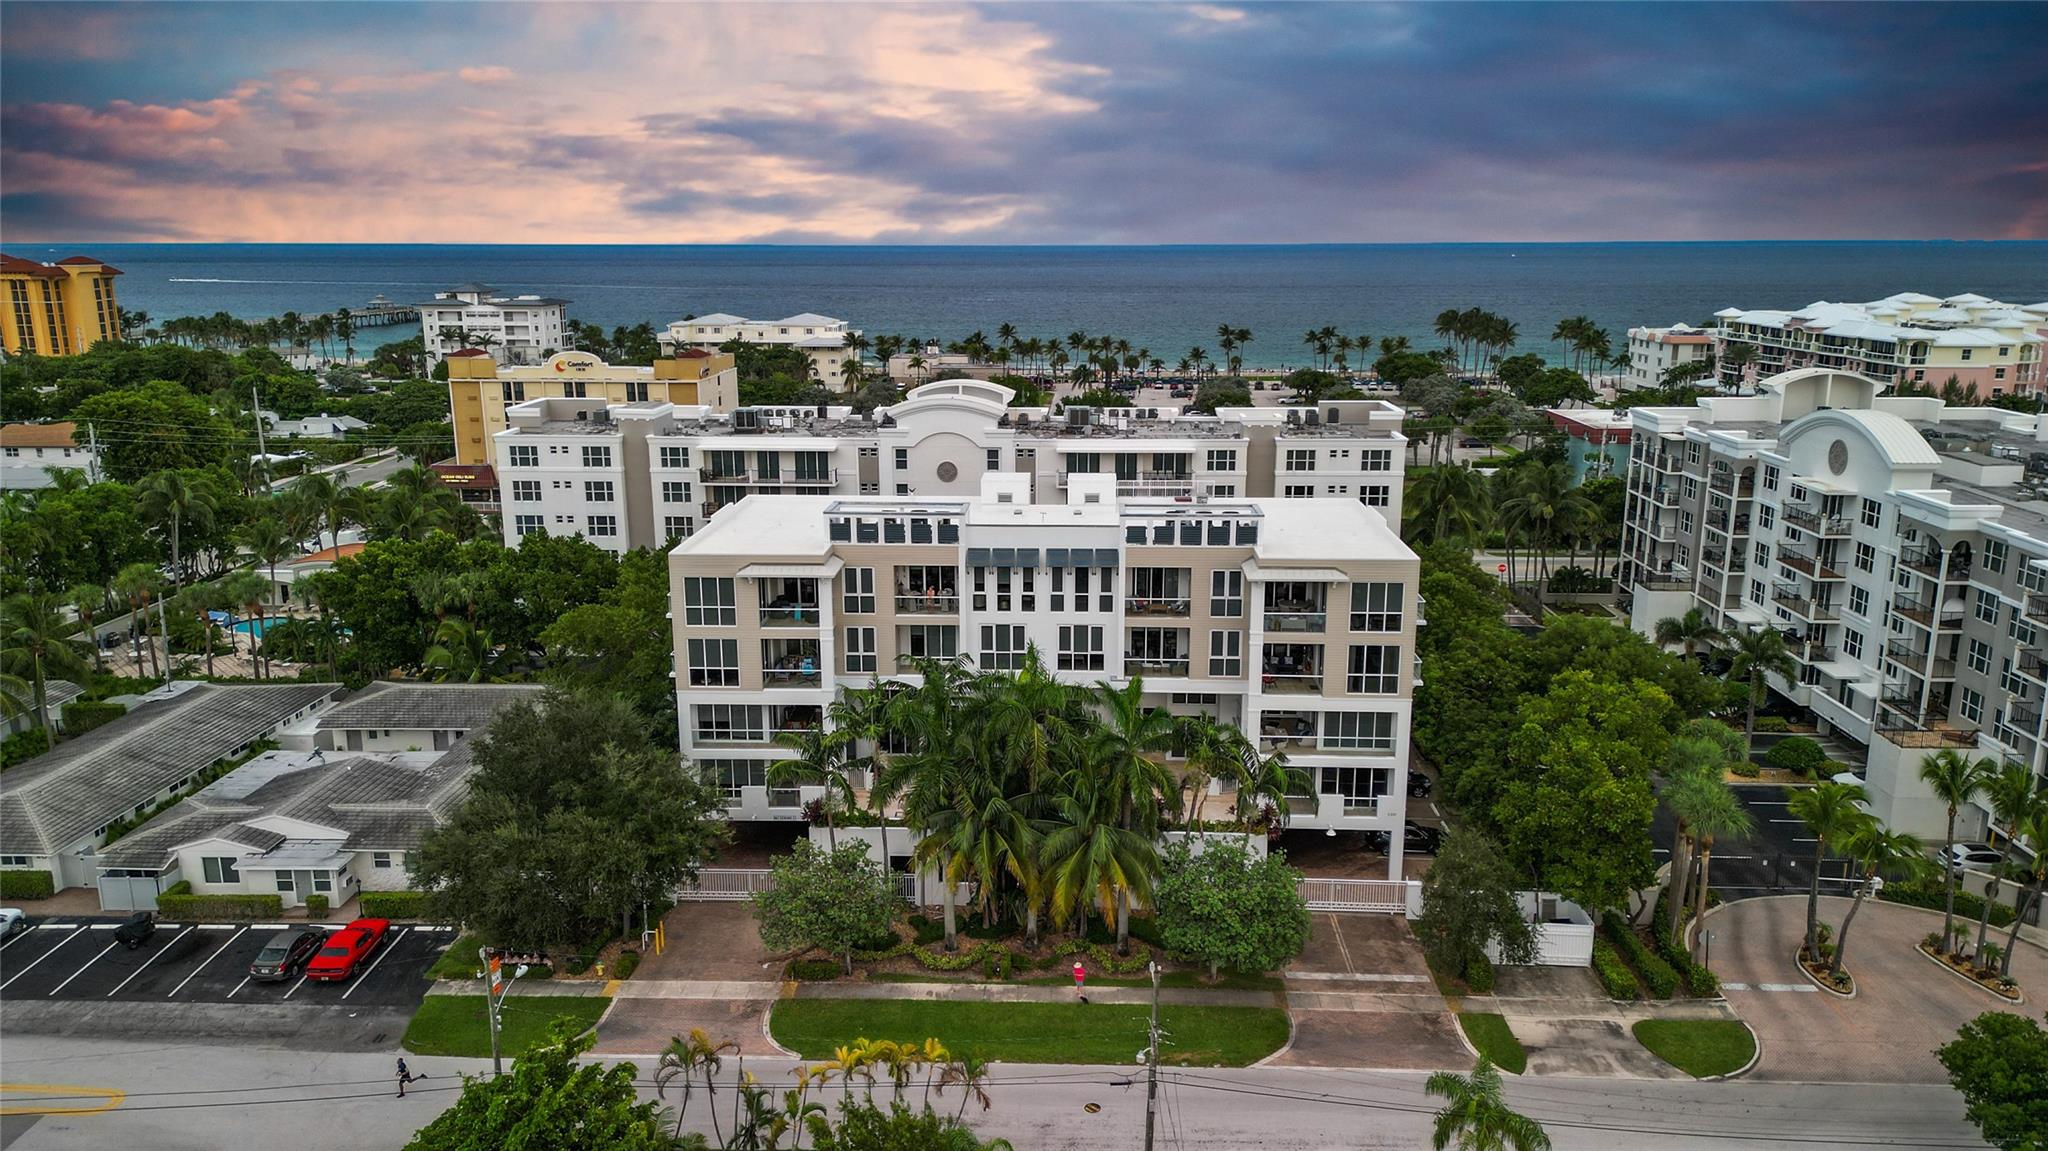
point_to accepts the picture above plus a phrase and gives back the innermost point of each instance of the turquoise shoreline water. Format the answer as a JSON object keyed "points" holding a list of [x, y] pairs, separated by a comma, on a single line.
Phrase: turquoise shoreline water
{"points": [[1167, 298]]}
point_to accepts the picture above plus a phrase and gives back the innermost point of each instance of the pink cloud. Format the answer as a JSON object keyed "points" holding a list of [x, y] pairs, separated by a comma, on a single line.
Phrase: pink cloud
{"points": [[487, 74]]}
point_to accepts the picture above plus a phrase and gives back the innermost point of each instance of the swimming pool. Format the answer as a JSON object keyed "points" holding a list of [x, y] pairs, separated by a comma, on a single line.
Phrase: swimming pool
{"points": [[254, 626]]}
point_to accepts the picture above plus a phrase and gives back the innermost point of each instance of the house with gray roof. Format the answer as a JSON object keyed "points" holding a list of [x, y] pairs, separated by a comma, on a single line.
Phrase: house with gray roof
{"points": [[312, 819], [57, 809]]}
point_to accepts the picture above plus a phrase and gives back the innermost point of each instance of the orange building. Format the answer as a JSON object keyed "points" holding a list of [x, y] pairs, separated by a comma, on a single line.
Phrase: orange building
{"points": [[58, 309], [479, 389]]}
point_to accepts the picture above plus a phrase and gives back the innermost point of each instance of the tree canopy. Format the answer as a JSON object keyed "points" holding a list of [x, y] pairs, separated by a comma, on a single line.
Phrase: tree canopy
{"points": [[1998, 1062], [1468, 902], [549, 1101], [836, 901], [1225, 908]]}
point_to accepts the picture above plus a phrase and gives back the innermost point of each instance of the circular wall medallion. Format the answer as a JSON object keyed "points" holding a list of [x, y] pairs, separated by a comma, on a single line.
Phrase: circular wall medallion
{"points": [[1838, 457], [950, 471]]}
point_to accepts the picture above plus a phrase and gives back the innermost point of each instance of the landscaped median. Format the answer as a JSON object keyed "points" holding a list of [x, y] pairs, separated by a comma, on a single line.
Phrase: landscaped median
{"points": [[1029, 1032], [1495, 1040], [1702, 1048], [455, 1024]]}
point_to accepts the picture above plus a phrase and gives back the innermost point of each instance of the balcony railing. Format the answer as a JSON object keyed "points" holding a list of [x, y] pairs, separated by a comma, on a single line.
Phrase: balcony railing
{"points": [[2033, 664], [2026, 719], [934, 603], [1135, 606], [1279, 684], [1809, 565], [786, 677], [794, 615], [1170, 668], [905, 661], [1721, 523], [2037, 607], [1945, 616], [753, 476], [1815, 653], [1725, 482], [1296, 620], [1909, 731], [1805, 606], [1811, 520], [1361, 806]]}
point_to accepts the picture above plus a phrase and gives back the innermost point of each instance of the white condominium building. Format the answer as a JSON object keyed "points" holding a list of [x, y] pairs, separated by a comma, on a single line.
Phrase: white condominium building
{"points": [[825, 340], [1900, 544], [1654, 351], [645, 474], [1294, 619], [1907, 338], [513, 329]]}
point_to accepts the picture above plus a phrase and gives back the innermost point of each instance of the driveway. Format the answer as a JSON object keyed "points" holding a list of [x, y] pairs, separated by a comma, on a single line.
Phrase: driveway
{"points": [[1360, 996], [1904, 1007], [1772, 861], [714, 974]]}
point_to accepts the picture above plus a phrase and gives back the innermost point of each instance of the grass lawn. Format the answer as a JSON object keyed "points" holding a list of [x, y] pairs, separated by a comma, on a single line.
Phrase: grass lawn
{"points": [[455, 1024], [1034, 1032], [459, 961], [1698, 1047], [1490, 1034]]}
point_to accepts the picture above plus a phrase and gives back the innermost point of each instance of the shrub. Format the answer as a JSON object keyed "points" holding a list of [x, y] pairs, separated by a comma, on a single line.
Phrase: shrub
{"points": [[1479, 975], [1657, 974], [577, 965], [23, 745], [316, 906], [629, 961], [811, 970], [1928, 894], [1797, 754], [1613, 974], [1747, 770], [27, 885], [1021, 961], [927, 930], [394, 904], [82, 715], [178, 902], [1772, 723]]}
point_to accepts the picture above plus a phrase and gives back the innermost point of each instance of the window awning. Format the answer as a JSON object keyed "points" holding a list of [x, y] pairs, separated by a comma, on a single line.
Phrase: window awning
{"points": [[1255, 573], [825, 570]]}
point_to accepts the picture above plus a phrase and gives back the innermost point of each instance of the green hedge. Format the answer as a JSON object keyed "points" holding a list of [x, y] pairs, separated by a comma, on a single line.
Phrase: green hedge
{"points": [[629, 960], [812, 970], [1772, 723], [23, 745], [316, 906], [1969, 908], [82, 715], [394, 904], [1479, 975], [1797, 754], [1657, 974], [178, 902], [1613, 973], [27, 885]]}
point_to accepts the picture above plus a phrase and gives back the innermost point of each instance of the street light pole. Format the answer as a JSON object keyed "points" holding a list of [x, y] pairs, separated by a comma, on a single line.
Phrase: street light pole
{"points": [[491, 1005], [1152, 1060]]}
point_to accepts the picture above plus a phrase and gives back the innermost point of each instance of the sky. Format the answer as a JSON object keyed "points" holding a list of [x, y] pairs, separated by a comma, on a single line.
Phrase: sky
{"points": [[1044, 123]]}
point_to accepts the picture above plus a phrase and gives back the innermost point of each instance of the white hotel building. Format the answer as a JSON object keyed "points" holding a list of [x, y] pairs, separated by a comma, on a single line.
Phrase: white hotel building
{"points": [[627, 475], [1899, 543], [520, 329], [1294, 619], [1909, 337], [822, 338]]}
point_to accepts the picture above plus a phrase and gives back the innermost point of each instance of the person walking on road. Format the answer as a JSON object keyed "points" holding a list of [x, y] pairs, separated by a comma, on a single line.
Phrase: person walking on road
{"points": [[404, 1077]]}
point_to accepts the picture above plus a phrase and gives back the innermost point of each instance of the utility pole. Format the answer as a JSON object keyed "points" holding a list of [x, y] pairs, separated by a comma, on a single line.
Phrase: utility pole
{"points": [[163, 624], [92, 465], [262, 453], [496, 987], [1152, 1060]]}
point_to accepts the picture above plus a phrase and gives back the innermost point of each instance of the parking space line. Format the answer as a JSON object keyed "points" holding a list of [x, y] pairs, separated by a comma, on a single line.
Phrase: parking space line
{"points": [[83, 966], [103, 926], [62, 926], [157, 958], [295, 986], [239, 986], [360, 979], [38, 959], [204, 962]]}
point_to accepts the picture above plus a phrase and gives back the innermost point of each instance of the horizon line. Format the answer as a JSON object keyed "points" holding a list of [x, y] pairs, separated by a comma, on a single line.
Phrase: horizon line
{"points": [[999, 244]]}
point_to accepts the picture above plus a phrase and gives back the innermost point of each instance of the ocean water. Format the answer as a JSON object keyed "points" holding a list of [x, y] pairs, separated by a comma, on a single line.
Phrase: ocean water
{"points": [[1169, 299]]}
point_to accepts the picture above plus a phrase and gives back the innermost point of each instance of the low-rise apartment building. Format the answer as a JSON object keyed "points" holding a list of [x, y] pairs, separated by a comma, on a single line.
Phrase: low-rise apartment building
{"points": [[510, 329], [643, 474], [1900, 544], [1655, 351], [480, 389], [829, 343], [29, 453], [1908, 338], [1292, 618]]}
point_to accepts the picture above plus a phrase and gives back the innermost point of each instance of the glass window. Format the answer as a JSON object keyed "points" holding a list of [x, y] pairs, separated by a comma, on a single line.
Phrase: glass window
{"points": [[676, 527], [1376, 495], [1222, 459], [1002, 647], [860, 650], [525, 491], [1226, 654], [1873, 513], [1980, 657], [1376, 606], [672, 457], [525, 525], [597, 491], [1375, 669], [708, 602], [1226, 593], [1301, 459], [1770, 477], [522, 456], [220, 869], [1377, 460], [1987, 606], [675, 492], [714, 662], [857, 586], [1080, 648], [1360, 730], [598, 526], [380, 860], [597, 456], [1994, 555], [1859, 600], [285, 883], [1973, 706]]}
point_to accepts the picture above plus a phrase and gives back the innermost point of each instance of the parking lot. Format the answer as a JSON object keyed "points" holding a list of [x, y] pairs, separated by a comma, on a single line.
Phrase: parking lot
{"points": [[77, 959]]}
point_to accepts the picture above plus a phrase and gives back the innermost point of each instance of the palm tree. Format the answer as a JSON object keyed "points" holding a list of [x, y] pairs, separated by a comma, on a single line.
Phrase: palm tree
{"points": [[1476, 1117], [1121, 757], [820, 758], [461, 653], [88, 600], [1543, 505], [39, 645], [1954, 779], [199, 602], [246, 590], [139, 584], [1691, 633], [1704, 806], [323, 497], [1738, 357], [862, 716], [1450, 501], [969, 1072], [2037, 832], [1833, 813], [1879, 849], [1758, 651], [173, 500], [2013, 801], [687, 1058], [927, 777]]}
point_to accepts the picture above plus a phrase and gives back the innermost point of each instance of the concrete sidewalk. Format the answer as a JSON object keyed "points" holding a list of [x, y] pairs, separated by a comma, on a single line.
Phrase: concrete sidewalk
{"points": [[1015, 993]]}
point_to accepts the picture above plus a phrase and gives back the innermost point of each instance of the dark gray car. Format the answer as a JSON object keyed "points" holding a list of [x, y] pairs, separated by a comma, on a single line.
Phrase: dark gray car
{"points": [[135, 930], [286, 952]]}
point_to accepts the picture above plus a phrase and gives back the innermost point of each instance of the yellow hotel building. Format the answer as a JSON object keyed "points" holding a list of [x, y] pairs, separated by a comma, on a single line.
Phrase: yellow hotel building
{"points": [[58, 309], [479, 389]]}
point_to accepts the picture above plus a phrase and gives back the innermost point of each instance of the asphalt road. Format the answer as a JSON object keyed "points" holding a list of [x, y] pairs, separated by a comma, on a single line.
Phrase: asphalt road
{"points": [[76, 959], [1777, 859], [176, 1096]]}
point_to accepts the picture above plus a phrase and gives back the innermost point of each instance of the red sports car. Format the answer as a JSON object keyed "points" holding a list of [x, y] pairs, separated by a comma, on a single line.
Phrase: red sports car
{"points": [[346, 949]]}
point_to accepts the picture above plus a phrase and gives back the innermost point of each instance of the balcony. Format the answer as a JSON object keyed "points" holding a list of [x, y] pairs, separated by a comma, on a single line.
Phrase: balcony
{"points": [[790, 615], [1804, 606], [1945, 617], [1663, 531], [1156, 607], [928, 603], [1296, 621], [1810, 519], [1294, 731], [790, 677], [2037, 608], [2024, 718], [1815, 652], [1915, 732], [1275, 684], [1156, 668], [1720, 522], [1360, 806], [1726, 482], [2033, 664], [1664, 496], [1809, 566]]}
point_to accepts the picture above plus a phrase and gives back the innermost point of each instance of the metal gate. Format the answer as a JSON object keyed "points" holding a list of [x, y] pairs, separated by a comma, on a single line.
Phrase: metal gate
{"points": [[727, 883], [1375, 896]]}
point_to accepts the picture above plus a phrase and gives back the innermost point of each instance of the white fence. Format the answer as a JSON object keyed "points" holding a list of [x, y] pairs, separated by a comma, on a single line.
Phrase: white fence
{"points": [[1380, 896], [737, 883]]}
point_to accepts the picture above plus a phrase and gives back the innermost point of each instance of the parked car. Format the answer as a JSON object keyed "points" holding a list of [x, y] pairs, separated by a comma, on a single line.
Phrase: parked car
{"points": [[12, 922], [286, 952], [1420, 785], [1963, 857], [136, 930], [346, 949], [1416, 839]]}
